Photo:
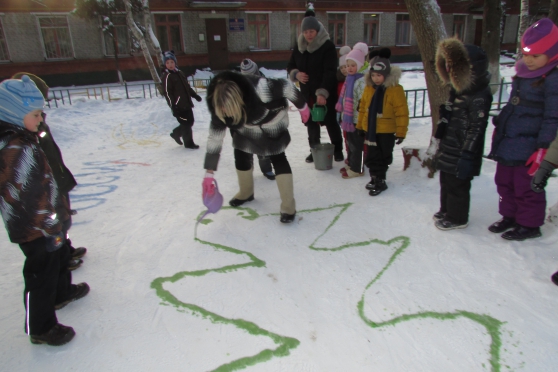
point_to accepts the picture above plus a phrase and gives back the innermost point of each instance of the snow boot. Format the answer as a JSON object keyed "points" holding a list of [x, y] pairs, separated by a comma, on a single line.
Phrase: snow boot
{"points": [[338, 152], [78, 253], [439, 216], [269, 176], [74, 264], [310, 158], [348, 173], [502, 225], [445, 224], [176, 137], [521, 233], [554, 278], [372, 184], [58, 335], [246, 185], [80, 290], [288, 204], [379, 186]]}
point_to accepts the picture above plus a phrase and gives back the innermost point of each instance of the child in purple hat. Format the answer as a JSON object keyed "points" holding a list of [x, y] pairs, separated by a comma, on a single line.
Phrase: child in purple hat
{"points": [[524, 130]]}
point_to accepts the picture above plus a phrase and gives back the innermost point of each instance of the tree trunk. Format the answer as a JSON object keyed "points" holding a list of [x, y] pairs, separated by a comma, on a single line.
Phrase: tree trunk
{"points": [[491, 35], [553, 14], [524, 21], [143, 44], [115, 45], [151, 38], [429, 30]]}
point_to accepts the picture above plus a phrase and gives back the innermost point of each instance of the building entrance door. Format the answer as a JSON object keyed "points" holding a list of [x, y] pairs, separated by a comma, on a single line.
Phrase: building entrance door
{"points": [[216, 29], [478, 32]]}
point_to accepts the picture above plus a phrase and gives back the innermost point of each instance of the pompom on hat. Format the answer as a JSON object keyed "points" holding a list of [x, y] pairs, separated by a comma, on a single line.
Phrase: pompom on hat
{"points": [[309, 22], [343, 55], [169, 54], [249, 67], [358, 54], [540, 38], [18, 97]]}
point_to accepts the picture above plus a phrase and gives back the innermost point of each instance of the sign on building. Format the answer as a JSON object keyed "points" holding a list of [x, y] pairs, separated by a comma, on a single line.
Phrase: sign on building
{"points": [[236, 24]]}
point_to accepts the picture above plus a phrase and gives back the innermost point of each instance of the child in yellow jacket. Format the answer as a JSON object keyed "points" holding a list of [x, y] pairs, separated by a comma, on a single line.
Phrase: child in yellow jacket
{"points": [[383, 116]]}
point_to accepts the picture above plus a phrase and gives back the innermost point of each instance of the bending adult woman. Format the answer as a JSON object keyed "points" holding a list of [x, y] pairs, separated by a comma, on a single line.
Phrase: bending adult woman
{"points": [[255, 109], [314, 65]]}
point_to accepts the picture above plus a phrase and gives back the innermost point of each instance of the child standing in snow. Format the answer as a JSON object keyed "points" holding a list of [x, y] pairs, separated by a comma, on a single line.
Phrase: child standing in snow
{"points": [[62, 175], [384, 116], [179, 94], [250, 67], [33, 212], [461, 131], [347, 104], [524, 130], [341, 76]]}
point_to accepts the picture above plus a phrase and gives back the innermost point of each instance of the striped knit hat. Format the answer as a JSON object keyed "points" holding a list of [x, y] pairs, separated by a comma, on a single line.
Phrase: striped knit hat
{"points": [[18, 98], [540, 38], [249, 67]]}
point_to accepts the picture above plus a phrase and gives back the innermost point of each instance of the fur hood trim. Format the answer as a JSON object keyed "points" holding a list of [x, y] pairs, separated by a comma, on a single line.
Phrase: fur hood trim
{"points": [[452, 54], [391, 80], [318, 41]]}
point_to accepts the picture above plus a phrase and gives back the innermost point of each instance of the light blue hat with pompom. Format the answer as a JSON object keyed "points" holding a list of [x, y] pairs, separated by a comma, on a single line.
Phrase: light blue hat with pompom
{"points": [[18, 98]]}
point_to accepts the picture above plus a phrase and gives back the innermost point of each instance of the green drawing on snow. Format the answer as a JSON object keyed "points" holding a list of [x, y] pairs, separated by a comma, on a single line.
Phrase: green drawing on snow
{"points": [[285, 344]]}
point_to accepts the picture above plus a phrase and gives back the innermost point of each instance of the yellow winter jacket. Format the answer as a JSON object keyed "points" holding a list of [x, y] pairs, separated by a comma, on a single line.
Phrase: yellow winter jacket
{"points": [[395, 116]]}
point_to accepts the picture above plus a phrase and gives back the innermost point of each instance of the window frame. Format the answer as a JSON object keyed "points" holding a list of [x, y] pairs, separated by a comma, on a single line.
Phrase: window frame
{"points": [[372, 21], [463, 25], [336, 22], [4, 40], [297, 25], [167, 24], [129, 36], [397, 29], [38, 17], [257, 22]]}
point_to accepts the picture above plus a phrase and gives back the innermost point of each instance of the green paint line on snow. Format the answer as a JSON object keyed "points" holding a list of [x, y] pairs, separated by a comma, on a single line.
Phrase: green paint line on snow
{"points": [[286, 344]]}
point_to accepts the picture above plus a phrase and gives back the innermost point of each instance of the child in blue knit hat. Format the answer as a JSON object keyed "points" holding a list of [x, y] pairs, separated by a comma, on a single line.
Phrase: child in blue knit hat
{"points": [[34, 212]]}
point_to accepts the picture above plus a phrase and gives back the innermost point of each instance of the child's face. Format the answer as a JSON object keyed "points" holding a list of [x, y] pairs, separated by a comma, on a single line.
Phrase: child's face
{"points": [[343, 69], [535, 61], [377, 78], [170, 64], [32, 120], [352, 67]]}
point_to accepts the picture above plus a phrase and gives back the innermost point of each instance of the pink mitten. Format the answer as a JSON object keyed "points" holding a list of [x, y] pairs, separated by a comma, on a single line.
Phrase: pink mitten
{"points": [[338, 107], [208, 186], [305, 113], [535, 160]]}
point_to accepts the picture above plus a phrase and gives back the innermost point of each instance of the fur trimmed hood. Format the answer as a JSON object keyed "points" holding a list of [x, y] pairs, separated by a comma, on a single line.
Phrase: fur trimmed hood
{"points": [[391, 80], [464, 67], [318, 41]]}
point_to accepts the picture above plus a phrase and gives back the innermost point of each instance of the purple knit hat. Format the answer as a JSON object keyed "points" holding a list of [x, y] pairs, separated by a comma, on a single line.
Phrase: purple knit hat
{"points": [[540, 38]]}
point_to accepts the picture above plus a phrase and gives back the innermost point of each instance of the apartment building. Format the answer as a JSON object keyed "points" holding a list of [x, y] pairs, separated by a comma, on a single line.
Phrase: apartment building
{"points": [[46, 38]]}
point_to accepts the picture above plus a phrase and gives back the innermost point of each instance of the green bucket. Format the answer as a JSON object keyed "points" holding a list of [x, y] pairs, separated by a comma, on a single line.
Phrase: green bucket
{"points": [[323, 156], [318, 113]]}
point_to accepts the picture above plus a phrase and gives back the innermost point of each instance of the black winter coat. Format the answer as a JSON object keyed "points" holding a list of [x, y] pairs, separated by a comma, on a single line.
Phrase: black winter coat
{"points": [[321, 66], [178, 91], [465, 132]]}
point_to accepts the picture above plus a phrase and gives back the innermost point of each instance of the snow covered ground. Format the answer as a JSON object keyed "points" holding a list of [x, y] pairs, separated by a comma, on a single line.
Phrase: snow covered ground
{"points": [[357, 283]]}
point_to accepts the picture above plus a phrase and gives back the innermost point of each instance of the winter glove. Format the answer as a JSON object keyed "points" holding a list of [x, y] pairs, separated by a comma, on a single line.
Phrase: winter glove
{"points": [[54, 242], [338, 107], [535, 160], [399, 140], [305, 113], [465, 166], [538, 182], [197, 97], [208, 185]]}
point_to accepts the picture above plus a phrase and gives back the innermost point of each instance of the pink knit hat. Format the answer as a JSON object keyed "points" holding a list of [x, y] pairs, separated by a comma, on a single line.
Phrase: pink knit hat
{"points": [[343, 55], [539, 38], [358, 54]]}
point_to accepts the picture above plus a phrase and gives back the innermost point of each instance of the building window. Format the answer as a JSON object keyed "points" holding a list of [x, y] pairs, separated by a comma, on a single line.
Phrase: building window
{"points": [[336, 28], [4, 55], [403, 30], [56, 37], [459, 26], [296, 21], [371, 28], [169, 32], [120, 33], [258, 31]]}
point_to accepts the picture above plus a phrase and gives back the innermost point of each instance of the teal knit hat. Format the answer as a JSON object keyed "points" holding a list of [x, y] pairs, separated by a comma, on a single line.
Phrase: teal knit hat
{"points": [[18, 98]]}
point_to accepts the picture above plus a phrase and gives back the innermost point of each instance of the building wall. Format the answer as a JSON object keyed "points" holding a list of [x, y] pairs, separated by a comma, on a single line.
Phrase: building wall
{"points": [[22, 36], [510, 29]]}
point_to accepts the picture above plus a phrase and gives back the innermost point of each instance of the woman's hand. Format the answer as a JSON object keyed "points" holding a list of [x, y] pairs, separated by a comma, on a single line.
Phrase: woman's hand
{"points": [[302, 77], [320, 100]]}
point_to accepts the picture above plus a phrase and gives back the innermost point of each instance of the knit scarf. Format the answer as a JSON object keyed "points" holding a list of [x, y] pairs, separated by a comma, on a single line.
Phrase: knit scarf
{"points": [[375, 111], [346, 100]]}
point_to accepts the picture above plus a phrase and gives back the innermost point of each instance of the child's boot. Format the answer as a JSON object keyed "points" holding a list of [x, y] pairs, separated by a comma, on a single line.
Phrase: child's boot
{"points": [[246, 185], [372, 184], [58, 335], [379, 186], [522, 232], [188, 139], [288, 205]]}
